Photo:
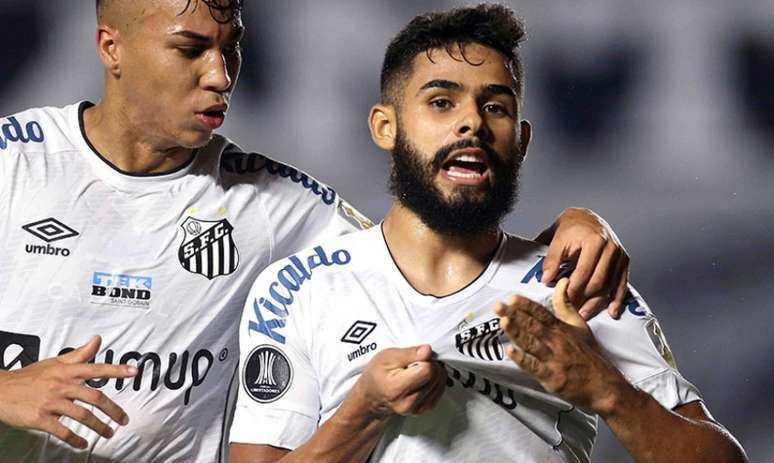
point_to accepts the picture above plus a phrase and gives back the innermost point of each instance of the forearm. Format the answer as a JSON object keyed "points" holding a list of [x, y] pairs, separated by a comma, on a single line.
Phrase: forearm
{"points": [[651, 433], [350, 435]]}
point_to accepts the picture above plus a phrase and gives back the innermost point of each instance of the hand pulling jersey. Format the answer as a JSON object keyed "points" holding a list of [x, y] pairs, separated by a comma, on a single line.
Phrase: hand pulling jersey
{"points": [[158, 265], [314, 320]]}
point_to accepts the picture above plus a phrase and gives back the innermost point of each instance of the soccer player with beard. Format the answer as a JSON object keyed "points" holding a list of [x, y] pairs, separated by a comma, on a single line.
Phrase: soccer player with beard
{"points": [[406, 342], [131, 219]]}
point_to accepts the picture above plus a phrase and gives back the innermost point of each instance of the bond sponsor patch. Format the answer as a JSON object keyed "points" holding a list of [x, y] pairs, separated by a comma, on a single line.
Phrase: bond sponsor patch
{"points": [[267, 374], [481, 341], [208, 247], [121, 289]]}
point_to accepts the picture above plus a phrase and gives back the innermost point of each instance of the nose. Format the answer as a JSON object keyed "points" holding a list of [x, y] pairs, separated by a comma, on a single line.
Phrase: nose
{"points": [[216, 76], [471, 123]]}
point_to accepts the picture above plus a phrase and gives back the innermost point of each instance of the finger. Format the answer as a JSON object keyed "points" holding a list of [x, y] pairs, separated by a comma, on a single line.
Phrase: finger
{"points": [[57, 429], [100, 400], [552, 261], [517, 303], [526, 307], [604, 266], [83, 353], [616, 305], [86, 371], [413, 378], [587, 261], [592, 307], [525, 361], [83, 416], [434, 393], [525, 341], [402, 357], [563, 308]]}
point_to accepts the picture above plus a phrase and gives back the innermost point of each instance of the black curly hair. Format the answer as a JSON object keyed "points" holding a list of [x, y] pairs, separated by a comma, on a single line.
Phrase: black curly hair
{"points": [[222, 11], [495, 26]]}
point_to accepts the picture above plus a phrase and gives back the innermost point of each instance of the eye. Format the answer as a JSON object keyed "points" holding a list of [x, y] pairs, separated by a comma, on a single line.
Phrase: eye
{"points": [[191, 52], [441, 103], [496, 108]]}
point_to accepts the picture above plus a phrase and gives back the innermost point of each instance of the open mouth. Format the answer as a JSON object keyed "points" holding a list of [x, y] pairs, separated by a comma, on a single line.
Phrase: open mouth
{"points": [[466, 165]]}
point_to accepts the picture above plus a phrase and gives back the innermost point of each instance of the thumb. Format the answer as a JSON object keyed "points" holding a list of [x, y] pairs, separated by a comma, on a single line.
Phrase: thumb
{"points": [[405, 356], [563, 308], [83, 353]]}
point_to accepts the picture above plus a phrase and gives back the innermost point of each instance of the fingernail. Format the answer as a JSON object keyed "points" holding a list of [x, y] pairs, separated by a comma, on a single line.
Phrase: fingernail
{"points": [[110, 433], [131, 370], [125, 420]]}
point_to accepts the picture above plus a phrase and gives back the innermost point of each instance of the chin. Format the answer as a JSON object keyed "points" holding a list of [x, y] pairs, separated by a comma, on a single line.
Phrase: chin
{"points": [[195, 139]]}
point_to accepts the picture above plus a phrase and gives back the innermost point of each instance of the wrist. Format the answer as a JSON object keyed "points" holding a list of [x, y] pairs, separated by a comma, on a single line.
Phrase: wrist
{"points": [[619, 397], [360, 409]]}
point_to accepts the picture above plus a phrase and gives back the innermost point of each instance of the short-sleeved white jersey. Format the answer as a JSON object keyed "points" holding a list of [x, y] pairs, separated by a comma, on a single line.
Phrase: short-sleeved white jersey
{"points": [[158, 265], [313, 321]]}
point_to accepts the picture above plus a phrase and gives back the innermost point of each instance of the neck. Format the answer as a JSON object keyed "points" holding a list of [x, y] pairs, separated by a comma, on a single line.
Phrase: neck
{"points": [[124, 144], [432, 262]]}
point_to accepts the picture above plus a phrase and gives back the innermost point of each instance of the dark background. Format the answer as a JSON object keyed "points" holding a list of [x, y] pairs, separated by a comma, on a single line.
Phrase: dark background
{"points": [[659, 115]]}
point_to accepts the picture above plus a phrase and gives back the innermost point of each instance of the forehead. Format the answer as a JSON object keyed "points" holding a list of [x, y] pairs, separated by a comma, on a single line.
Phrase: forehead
{"points": [[473, 65], [193, 15]]}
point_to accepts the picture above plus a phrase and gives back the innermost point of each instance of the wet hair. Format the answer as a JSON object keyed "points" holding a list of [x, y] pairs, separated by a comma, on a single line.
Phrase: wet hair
{"points": [[222, 11], [494, 26]]}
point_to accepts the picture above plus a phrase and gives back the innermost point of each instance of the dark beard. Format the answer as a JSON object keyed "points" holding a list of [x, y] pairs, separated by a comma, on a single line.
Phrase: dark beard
{"points": [[469, 211]]}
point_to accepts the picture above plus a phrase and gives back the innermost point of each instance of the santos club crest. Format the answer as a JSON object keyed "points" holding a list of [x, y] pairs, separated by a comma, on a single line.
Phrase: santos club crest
{"points": [[208, 247]]}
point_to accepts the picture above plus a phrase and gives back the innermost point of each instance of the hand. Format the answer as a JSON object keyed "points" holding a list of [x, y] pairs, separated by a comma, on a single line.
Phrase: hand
{"points": [[400, 382], [602, 270], [34, 397], [561, 353]]}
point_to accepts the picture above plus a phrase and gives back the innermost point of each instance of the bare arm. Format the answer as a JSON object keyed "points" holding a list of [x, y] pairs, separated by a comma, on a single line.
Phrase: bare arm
{"points": [[563, 355], [396, 382]]}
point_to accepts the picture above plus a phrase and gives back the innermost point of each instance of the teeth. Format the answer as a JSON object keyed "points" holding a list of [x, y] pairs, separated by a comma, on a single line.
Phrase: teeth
{"points": [[467, 158], [459, 174]]}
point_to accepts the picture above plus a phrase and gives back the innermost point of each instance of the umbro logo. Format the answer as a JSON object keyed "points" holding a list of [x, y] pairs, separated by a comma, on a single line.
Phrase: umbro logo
{"points": [[48, 230], [356, 334]]}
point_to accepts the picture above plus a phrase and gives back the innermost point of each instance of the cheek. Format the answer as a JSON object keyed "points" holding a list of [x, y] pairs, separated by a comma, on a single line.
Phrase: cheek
{"points": [[430, 131]]}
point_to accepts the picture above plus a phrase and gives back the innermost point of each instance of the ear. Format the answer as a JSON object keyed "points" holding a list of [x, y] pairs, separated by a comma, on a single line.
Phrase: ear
{"points": [[382, 120], [108, 39], [526, 136]]}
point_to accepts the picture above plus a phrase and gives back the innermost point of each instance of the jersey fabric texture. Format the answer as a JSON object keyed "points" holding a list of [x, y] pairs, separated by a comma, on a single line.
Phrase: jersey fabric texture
{"points": [[313, 321], [158, 265]]}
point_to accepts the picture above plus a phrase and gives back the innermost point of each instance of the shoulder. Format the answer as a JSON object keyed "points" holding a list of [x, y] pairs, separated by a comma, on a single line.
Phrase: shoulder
{"points": [[521, 267], [284, 290], [352, 252], [271, 175], [46, 129]]}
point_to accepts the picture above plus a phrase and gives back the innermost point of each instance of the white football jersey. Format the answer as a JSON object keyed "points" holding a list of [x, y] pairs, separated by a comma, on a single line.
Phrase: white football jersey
{"points": [[314, 320], [158, 265]]}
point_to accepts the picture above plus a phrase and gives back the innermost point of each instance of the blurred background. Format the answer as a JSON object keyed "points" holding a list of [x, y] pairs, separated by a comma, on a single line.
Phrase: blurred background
{"points": [[658, 115]]}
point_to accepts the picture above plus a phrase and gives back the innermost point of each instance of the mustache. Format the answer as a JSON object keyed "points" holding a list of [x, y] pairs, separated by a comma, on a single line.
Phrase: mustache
{"points": [[442, 154]]}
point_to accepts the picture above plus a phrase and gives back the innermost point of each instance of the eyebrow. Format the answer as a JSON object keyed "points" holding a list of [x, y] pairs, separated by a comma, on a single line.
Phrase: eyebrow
{"points": [[238, 34], [498, 89], [441, 83], [494, 89]]}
